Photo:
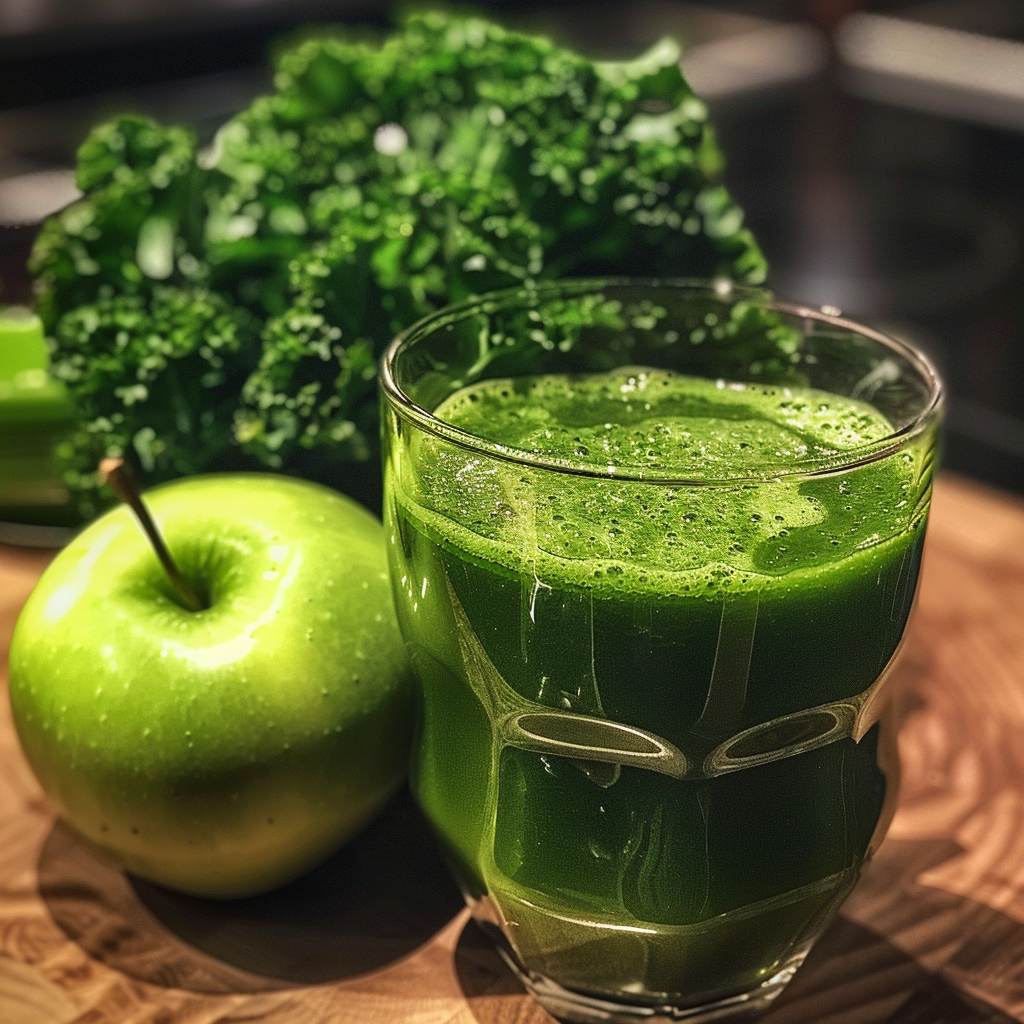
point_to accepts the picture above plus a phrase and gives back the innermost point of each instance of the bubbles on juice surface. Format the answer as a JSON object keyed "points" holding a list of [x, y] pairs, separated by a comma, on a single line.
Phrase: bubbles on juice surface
{"points": [[616, 533], [636, 418]]}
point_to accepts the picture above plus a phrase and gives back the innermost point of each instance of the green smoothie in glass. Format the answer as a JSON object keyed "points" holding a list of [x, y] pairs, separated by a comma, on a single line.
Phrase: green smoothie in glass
{"points": [[654, 740]]}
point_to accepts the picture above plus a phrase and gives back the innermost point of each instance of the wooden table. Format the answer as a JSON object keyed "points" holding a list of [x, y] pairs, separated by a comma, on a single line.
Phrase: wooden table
{"points": [[933, 934]]}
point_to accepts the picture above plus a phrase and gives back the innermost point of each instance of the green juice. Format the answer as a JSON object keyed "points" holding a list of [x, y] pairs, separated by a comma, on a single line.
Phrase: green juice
{"points": [[653, 737], [35, 415]]}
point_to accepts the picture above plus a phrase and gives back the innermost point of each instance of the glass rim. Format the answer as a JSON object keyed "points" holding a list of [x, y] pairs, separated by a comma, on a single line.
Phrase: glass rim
{"points": [[844, 461]]}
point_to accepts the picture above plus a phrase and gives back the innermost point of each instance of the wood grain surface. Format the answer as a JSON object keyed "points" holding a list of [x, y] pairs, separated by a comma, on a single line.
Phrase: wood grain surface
{"points": [[933, 934]]}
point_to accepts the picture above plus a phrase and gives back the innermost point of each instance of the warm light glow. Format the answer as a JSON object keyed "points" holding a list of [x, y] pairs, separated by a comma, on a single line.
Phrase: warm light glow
{"points": [[765, 58], [940, 70]]}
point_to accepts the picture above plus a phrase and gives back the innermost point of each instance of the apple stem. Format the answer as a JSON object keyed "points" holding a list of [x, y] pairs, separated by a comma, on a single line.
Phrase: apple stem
{"points": [[119, 479]]}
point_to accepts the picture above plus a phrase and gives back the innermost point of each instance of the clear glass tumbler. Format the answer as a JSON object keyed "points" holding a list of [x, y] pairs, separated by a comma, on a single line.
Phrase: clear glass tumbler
{"points": [[654, 546]]}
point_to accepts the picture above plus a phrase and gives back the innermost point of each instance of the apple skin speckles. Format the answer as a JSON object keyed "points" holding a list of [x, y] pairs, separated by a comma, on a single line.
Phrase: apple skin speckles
{"points": [[170, 737]]}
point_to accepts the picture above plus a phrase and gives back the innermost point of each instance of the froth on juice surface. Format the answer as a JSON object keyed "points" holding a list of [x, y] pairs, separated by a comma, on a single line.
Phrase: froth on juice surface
{"points": [[650, 735], [732, 436]]}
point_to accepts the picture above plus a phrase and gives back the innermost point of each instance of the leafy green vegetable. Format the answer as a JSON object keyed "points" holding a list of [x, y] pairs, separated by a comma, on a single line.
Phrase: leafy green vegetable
{"points": [[157, 374], [225, 308]]}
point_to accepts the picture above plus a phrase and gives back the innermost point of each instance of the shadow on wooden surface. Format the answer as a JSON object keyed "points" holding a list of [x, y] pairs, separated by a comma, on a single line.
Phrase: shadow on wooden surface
{"points": [[856, 975], [493, 992], [372, 903]]}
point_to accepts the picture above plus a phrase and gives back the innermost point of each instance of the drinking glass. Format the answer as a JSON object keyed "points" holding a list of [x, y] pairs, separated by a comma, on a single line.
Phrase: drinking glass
{"points": [[656, 741]]}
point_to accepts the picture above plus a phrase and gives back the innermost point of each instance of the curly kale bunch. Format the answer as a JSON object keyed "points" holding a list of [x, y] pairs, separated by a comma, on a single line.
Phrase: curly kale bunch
{"points": [[225, 308]]}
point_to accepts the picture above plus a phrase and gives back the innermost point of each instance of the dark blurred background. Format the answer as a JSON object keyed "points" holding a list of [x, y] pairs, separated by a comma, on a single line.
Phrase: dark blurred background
{"points": [[878, 147]]}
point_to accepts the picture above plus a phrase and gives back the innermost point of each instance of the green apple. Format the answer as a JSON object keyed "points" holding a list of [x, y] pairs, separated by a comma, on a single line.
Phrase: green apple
{"points": [[219, 752]]}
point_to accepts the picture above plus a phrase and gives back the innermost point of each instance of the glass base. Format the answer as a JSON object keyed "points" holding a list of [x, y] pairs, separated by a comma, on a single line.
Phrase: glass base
{"points": [[580, 1008]]}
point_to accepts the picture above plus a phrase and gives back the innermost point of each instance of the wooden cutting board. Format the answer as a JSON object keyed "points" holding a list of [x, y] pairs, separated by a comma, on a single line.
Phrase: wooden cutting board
{"points": [[933, 934]]}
